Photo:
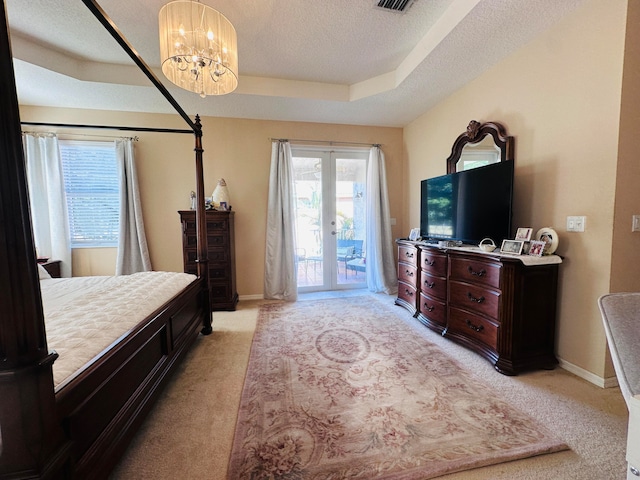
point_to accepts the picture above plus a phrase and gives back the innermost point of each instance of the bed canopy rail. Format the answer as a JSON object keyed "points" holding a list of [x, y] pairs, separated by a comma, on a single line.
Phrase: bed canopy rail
{"points": [[34, 443], [111, 27]]}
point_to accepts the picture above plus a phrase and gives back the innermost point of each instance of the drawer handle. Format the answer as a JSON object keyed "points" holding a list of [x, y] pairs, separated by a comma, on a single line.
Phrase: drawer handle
{"points": [[408, 254], [474, 299], [429, 285], [481, 273], [429, 263], [429, 308], [408, 292], [475, 328], [409, 273]]}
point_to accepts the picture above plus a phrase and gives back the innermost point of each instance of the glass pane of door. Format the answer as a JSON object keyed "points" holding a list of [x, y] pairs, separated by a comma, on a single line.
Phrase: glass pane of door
{"points": [[307, 168], [330, 218], [350, 183]]}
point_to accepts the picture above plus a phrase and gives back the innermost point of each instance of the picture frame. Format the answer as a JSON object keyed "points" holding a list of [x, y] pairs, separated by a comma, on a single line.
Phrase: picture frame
{"points": [[524, 234], [223, 206], [537, 248], [414, 234], [512, 247]]}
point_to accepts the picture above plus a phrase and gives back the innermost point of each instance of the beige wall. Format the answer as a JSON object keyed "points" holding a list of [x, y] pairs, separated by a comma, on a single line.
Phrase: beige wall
{"points": [[559, 97], [626, 244], [234, 149]]}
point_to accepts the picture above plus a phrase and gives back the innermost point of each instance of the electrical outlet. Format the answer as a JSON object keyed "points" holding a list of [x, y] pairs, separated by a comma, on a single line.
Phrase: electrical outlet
{"points": [[576, 223]]}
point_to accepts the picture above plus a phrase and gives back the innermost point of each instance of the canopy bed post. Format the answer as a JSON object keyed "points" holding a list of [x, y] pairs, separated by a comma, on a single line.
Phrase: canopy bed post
{"points": [[201, 228], [32, 443]]}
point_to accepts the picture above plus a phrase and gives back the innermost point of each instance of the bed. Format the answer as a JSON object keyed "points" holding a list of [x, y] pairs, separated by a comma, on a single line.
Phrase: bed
{"points": [[71, 413]]}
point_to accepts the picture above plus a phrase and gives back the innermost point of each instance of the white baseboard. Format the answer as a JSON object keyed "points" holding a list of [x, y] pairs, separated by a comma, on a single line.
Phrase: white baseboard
{"points": [[601, 382], [257, 296]]}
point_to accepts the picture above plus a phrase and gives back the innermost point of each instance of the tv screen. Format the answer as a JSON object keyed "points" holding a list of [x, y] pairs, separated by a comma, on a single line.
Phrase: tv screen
{"points": [[468, 206]]}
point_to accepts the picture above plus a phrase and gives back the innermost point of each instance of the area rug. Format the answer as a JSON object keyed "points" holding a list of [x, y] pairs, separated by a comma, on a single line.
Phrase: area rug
{"points": [[350, 389]]}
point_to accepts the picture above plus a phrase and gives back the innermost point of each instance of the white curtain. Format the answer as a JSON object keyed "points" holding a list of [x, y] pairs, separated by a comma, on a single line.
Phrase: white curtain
{"points": [[133, 253], [280, 280], [47, 199], [381, 266]]}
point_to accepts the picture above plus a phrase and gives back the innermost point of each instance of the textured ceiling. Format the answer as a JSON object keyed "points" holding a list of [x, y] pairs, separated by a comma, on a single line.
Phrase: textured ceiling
{"points": [[332, 61]]}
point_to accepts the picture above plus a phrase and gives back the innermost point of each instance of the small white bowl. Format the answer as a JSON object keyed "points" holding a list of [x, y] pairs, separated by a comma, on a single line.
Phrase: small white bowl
{"points": [[487, 247]]}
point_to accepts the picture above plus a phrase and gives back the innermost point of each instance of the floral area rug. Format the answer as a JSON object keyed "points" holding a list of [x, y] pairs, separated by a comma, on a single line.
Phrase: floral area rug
{"points": [[349, 389]]}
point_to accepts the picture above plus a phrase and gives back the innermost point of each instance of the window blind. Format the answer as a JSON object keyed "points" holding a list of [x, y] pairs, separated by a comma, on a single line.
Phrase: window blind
{"points": [[93, 192]]}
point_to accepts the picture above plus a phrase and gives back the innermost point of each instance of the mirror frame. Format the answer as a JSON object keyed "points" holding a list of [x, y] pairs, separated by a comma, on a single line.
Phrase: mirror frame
{"points": [[475, 133]]}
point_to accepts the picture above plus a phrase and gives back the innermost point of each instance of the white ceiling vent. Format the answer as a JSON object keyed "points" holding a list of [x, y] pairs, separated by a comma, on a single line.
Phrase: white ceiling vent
{"points": [[396, 6]]}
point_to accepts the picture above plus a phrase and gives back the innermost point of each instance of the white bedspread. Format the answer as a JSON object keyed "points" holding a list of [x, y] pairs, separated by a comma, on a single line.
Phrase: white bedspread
{"points": [[84, 315]]}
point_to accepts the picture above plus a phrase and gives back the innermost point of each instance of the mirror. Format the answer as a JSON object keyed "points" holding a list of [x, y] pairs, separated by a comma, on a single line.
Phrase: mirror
{"points": [[480, 145]]}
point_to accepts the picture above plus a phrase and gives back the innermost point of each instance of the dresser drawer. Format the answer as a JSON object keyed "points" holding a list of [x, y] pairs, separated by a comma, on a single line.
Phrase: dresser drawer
{"points": [[433, 262], [474, 327], [218, 271], [213, 224], [433, 286], [475, 271], [214, 255], [474, 298], [219, 224], [213, 239], [407, 273], [407, 293], [217, 254], [433, 309], [408, 255], [220, 292]]}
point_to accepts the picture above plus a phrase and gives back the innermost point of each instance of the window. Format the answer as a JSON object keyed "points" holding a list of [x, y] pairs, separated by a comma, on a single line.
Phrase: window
{"points": [[93, 192]]}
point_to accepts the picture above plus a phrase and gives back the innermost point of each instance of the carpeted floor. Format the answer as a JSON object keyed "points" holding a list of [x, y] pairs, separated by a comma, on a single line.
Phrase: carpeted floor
{"points": [[338, 389], [190, 432]]}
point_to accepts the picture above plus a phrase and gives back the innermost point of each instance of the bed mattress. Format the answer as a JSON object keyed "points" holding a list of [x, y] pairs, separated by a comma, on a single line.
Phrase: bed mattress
{"points": [[85, 315]]}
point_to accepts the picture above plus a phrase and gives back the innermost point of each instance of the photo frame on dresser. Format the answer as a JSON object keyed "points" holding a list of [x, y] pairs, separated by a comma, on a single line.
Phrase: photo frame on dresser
{"points": [[537, 248], [414, 234], [513, 247], [524, 234]]}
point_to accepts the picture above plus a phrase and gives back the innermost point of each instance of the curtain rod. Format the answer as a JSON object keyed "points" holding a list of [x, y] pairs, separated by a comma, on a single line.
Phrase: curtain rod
{"points": [[330, 142], [108, 127], [74, 134]]}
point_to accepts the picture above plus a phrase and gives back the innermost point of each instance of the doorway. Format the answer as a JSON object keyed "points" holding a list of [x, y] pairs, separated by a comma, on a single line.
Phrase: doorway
{"points": [[330, 190]]}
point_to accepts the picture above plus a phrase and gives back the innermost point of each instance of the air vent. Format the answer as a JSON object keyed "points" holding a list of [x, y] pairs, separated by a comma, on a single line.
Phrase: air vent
{"points": [[396, 6]]}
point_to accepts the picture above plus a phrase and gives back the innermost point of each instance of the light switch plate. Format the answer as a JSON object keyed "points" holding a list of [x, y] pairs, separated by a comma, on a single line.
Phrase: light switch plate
{"points": [[576, 223], [635, 226]]}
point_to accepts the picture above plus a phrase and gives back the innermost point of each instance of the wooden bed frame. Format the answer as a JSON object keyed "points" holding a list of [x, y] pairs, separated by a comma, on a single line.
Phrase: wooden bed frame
{"points": [[81, 430]]}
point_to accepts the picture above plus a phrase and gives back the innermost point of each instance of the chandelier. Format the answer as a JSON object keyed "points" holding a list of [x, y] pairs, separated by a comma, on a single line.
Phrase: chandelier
{"points": [[198, 48]]}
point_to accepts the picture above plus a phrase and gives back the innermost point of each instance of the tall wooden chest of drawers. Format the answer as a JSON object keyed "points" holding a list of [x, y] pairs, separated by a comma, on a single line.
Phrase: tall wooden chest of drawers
{"points": [[221, 253], [494, 304]]}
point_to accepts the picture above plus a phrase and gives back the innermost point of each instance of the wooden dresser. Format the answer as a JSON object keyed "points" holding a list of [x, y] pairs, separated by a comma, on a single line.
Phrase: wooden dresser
{"points": [[493, 304], [221, 253]]}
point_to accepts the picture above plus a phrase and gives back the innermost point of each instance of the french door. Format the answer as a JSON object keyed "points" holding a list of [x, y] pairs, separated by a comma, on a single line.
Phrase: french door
{"points": [[330, 188]]}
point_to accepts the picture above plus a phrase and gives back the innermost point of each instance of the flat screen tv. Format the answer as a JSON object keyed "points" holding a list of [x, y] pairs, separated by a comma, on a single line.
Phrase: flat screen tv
{"points": [[468, 206]]}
